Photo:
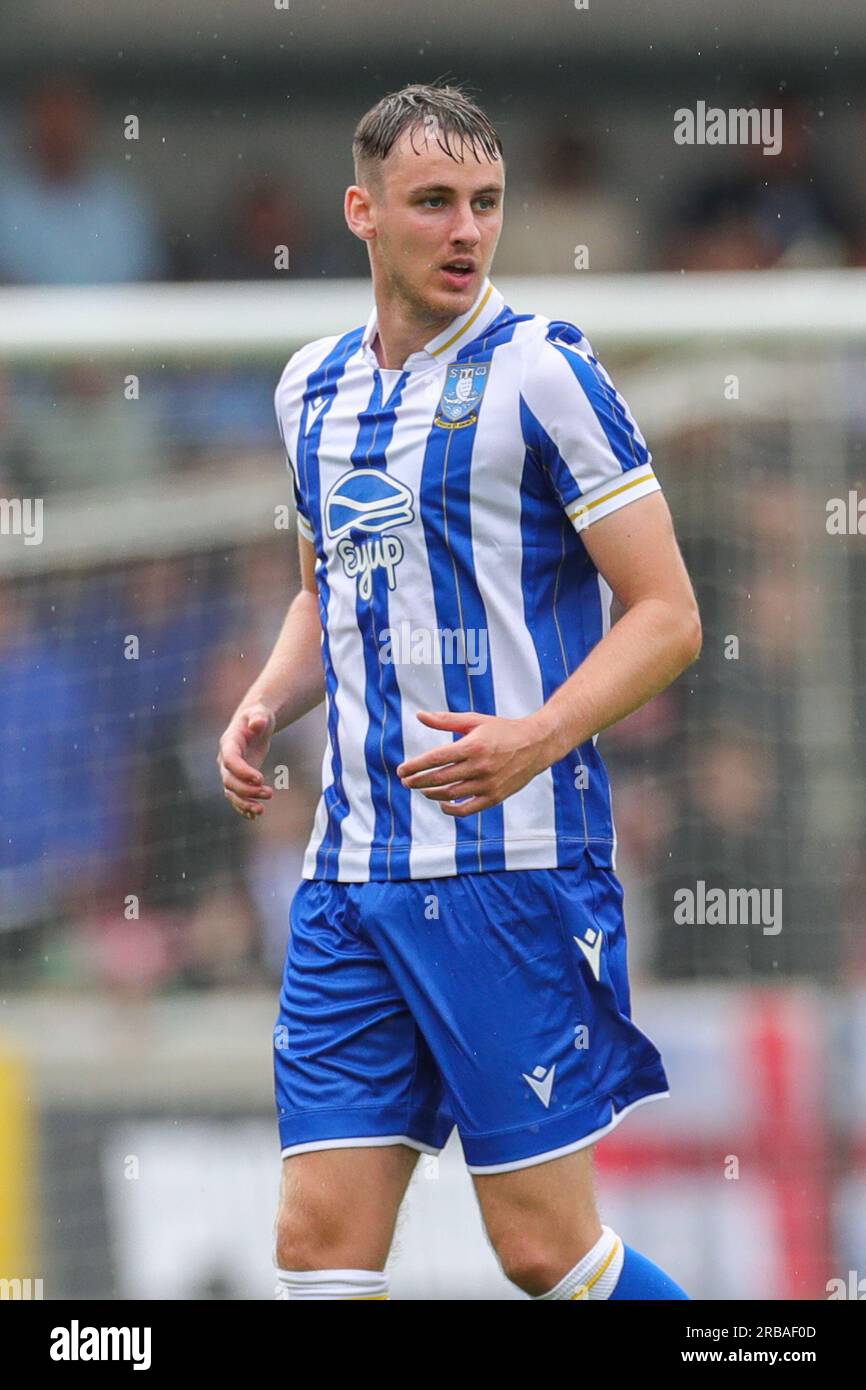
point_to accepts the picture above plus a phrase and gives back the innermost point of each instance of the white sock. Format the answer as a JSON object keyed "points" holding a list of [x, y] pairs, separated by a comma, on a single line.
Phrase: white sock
{"points": [[596, 1274], [331, 1283]]}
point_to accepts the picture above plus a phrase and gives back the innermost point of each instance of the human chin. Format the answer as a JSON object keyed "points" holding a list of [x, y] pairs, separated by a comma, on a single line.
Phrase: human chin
{"points": [[457, 290]]}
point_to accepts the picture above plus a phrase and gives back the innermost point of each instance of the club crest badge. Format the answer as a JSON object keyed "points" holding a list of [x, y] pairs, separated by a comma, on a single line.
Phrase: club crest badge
{"points": [[464, 387]]}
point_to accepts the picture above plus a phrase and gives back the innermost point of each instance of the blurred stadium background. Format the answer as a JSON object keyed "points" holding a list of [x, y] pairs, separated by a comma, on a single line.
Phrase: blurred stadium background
{"points": [[142, 923]]}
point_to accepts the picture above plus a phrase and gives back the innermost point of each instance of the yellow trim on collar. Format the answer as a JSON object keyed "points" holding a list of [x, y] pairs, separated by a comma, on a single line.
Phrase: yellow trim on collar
{"points": [[468, 324]]}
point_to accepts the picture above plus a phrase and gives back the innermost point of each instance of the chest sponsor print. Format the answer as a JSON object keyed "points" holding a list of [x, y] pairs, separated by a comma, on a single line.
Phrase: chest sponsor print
{"points": [[368, 500]]}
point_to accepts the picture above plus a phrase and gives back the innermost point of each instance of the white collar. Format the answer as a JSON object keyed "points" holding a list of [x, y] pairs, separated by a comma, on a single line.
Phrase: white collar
{"points": [[449, 342]]}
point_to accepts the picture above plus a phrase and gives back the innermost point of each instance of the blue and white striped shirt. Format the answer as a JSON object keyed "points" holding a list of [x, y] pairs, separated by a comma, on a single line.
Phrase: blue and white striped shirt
{"points": [[445, 502]]}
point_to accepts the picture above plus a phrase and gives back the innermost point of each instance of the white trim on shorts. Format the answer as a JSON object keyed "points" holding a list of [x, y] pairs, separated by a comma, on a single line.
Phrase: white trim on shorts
{"points": [[369, 1141], [567, 1148]]}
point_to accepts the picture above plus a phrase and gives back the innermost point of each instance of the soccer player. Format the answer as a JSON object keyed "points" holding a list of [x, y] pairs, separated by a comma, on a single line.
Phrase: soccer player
{"points": [[471, 490]]}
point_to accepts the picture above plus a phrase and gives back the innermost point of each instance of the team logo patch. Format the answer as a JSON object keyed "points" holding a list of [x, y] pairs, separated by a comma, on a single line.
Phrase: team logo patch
{"points": [[464, 387], [367, 499]]}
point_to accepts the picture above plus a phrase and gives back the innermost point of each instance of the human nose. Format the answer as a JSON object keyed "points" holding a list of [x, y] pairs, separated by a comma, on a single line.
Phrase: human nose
{"points": [[465, 228]]}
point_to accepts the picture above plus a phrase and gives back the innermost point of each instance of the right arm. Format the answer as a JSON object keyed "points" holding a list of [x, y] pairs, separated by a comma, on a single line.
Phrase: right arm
{"points": [[291, 683]]}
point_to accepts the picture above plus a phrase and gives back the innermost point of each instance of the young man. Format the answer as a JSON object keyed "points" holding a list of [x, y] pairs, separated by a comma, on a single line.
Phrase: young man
{"points": [[470, 490]]}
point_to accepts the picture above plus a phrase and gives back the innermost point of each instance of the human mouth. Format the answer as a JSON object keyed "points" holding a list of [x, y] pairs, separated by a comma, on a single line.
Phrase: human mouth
{"points": [[458, 272]]}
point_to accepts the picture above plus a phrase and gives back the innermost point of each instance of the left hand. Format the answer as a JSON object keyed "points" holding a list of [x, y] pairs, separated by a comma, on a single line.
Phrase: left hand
{"points": [[494, 759]]}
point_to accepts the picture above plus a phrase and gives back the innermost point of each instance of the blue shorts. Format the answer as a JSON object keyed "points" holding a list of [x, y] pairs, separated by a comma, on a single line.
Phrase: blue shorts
{"points": [[498, 1002]]}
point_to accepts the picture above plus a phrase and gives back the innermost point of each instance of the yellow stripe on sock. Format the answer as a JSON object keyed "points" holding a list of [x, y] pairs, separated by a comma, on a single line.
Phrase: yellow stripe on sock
{"points": [[583, 1291]]}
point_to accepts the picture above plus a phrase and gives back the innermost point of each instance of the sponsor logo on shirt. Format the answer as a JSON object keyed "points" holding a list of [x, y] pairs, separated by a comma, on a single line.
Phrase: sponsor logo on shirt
{"points": [[368, 499]]}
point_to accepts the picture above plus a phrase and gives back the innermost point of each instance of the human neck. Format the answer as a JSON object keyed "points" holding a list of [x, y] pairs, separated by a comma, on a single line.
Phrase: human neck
{"points": [[399, 332]]}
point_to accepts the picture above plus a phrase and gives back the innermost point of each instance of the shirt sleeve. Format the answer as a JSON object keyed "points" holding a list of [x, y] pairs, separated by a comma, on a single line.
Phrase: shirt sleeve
{"points": [[582, 430], [302, 511]]}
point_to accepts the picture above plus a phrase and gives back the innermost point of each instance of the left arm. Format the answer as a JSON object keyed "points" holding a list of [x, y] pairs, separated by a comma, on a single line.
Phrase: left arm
{"points": [[658, 636]]}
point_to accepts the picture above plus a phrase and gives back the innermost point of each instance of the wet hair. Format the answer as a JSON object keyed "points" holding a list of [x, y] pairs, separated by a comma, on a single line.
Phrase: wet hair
{"points": [[443, 112]]}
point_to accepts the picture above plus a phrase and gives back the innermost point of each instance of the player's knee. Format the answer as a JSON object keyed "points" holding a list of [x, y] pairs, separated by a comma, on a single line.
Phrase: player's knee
{"points": [[294, 1244], [306, 1233], [528, 1263]]}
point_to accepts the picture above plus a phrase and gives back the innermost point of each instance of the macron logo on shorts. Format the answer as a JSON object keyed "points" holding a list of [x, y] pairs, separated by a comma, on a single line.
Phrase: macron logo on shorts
{"points": [[590, 944], [541, 1082]]}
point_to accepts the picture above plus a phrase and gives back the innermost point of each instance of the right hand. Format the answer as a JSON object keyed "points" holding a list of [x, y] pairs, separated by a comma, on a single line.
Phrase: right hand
{"points": [[242, 750]]}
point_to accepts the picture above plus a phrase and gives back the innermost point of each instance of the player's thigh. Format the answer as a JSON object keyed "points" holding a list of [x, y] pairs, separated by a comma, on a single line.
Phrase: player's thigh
{"points": [[351, 1068], [338, 1207], [514, 981], [549, 1205]]}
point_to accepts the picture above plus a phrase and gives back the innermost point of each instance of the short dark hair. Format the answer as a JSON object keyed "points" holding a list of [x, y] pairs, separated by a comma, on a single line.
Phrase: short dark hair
{"points": [[451, 112]]}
